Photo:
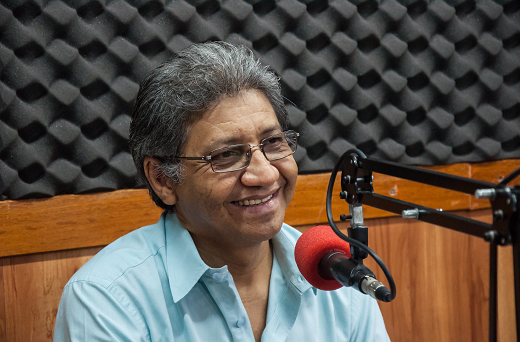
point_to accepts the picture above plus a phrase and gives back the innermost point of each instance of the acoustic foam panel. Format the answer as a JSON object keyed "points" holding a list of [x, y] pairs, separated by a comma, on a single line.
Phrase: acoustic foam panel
{"points": [[415, 82]]}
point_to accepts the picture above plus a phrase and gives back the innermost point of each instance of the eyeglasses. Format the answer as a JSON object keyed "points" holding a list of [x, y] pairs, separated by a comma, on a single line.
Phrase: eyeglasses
{"points": [[238, 157]]}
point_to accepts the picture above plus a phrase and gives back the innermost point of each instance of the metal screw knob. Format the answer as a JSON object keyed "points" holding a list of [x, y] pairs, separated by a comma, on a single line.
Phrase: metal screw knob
{"points": [[344, 217], [485, 193], [411, 213], [498, 215]]}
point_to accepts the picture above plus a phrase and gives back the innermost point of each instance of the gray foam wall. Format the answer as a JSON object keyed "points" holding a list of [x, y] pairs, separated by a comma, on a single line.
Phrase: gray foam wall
{"points": [[415, 82]]}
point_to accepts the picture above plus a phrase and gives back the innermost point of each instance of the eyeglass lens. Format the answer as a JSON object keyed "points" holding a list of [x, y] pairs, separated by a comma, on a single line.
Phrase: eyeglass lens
{"points": [[236, 157]]}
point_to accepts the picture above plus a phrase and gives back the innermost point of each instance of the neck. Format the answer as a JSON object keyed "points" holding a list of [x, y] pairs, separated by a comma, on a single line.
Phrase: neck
{"points": [[246, 264], [251, 270]]}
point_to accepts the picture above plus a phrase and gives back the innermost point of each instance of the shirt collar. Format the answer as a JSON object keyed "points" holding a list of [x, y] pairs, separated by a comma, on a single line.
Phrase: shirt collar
{"points": [[185, 267], [283, 245]]}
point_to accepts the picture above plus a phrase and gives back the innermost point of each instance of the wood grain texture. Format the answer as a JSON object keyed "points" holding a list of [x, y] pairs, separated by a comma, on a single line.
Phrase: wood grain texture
{"points": [[34, 284], [442, 281], [441, 278], [308, 204], [506, 287], [3, 337], [493, 172], [70, 221]]}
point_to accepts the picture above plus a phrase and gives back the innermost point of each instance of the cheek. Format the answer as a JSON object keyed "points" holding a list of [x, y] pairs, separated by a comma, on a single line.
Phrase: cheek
{"points": [[290, 171], [215, 192]]}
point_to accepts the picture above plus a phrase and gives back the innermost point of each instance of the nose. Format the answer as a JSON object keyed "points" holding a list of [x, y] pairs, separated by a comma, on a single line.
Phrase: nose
{"points": [[260, 171]]}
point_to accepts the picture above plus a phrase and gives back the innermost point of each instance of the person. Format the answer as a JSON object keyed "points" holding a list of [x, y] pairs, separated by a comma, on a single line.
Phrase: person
{"points": [[209, 139]]}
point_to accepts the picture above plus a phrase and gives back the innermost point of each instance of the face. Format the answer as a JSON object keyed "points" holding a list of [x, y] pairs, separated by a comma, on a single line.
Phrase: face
{"points": [[211, 205]]}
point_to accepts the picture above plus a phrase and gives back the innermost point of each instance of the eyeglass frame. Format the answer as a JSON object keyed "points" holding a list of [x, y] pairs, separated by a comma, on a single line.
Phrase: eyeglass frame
{"points": [[249, 154]]}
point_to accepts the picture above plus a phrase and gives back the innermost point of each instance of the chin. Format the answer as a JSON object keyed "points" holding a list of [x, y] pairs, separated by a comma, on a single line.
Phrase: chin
{"points": [[268, 230]]}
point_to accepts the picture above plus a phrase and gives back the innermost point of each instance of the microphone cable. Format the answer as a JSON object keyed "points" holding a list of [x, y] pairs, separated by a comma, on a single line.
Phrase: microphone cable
{"points": [[345, 237]]}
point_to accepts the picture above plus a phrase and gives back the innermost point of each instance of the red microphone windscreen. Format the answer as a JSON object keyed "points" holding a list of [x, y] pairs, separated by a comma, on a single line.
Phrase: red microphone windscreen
{"points": [[311, 247]]}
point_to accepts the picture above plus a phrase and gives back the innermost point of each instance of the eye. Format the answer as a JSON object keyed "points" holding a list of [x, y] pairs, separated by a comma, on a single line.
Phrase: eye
{"points": [[222, 155], [274, 140], [229, 154]]}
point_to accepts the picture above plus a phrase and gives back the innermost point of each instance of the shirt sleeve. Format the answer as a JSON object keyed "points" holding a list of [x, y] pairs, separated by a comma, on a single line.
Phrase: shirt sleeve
{"points": [[367, 321], [90, 312]]}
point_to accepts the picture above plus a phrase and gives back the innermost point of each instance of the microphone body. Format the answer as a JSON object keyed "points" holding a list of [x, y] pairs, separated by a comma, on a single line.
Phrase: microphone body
{"points": [[323, 258], [350, 272]]}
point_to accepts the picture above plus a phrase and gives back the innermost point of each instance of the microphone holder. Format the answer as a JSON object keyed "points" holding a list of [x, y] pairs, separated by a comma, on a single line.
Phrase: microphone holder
{"points": [[357, 231], [357, 189]]}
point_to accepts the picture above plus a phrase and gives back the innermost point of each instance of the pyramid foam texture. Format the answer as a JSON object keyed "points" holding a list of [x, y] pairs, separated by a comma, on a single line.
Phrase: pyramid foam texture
{"points": [[415, 82]]}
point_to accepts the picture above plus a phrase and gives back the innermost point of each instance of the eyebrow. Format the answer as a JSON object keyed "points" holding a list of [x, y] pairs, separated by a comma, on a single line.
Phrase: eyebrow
{"points": [[236, 140]]}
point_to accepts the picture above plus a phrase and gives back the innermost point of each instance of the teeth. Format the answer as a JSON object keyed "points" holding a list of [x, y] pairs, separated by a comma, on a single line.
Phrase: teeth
{"points": [[251, 203]]}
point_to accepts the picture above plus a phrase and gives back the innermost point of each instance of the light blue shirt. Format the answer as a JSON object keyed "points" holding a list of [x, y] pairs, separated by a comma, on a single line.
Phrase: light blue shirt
{"points": [[152, 285]]}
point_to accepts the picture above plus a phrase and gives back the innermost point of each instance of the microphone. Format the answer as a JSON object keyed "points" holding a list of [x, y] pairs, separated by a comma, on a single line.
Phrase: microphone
{"points": [[323, 258]]}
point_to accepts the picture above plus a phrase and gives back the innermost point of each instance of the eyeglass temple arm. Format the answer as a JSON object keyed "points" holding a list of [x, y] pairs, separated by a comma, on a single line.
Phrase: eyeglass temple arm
{"points": [[207, 158]]}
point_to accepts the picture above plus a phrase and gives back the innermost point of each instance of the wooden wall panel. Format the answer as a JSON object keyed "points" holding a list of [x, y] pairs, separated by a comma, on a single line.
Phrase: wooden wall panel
{"points": [[506, 304], [493, 172], [441, 278], [3, 338], [71, 221], [308, 205], [33, 287], [438, 299]]}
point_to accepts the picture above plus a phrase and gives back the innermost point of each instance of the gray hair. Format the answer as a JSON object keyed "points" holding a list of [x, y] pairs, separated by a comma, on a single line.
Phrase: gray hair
{"points": [[178, 92]]}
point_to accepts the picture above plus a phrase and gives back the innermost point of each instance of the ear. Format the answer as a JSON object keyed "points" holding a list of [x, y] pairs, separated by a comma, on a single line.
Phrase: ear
{"points": [[163, 186]]}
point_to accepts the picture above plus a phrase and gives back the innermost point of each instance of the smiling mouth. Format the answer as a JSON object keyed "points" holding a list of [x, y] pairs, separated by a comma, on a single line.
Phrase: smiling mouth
{"points": [[252, 203]]}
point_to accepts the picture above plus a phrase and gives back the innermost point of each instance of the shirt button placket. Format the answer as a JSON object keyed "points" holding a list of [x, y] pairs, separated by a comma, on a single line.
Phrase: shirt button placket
{"points": [[230, 306]]}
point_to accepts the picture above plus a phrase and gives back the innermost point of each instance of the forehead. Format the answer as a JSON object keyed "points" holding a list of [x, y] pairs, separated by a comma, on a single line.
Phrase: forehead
{"points": [[239, 119]]}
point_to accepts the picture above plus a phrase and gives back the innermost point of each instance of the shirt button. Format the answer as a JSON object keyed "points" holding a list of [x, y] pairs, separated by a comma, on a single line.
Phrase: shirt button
{"points": [[300, 279], [241, 322]]}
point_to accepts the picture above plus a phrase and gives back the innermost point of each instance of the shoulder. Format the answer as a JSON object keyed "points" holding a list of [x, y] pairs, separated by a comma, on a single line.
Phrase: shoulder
{"points": [[127, 252], [117, 288]]}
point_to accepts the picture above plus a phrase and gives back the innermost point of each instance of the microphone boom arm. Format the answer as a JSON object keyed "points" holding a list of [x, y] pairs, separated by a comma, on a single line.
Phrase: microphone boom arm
{"points": [[426, 214], [503, 199], [357, 188]]}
